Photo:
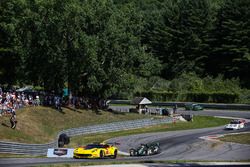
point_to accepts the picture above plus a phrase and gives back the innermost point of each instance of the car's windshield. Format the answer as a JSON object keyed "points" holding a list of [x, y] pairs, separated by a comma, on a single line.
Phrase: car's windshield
{"points": [[234, 122], [91, 146]]}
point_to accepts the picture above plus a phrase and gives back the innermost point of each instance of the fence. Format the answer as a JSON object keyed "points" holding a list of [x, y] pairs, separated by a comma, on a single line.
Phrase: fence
{"points": [[41, 149], [182, 104]]}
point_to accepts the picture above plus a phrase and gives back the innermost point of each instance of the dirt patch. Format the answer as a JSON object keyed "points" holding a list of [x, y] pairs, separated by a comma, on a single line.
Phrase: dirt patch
{"points": [[216, 144]]}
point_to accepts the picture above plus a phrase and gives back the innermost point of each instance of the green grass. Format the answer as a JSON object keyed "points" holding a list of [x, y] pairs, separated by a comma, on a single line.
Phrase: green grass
{"points": [[42, 124], [199, 122], [239, 138]]}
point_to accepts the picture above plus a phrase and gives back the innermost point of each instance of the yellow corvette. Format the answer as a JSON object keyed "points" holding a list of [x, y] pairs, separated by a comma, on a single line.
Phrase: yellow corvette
{"points": [[99, 150]]}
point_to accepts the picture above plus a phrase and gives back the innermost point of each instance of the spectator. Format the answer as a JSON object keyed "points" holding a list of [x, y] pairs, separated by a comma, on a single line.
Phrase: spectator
{"points": [[13, 120], [58, 101], [37, 103], [175, 109]]}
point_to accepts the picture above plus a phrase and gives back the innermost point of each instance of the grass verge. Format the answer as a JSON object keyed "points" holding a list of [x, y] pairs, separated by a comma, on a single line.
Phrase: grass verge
{"points": [[237, 138]]}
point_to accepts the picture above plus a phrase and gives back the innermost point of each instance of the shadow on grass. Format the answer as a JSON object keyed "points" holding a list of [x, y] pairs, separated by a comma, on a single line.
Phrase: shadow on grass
{"points": [[4, 124], [58, 110], [61, 111], [97, 111], [72, 109], [115, 112]]}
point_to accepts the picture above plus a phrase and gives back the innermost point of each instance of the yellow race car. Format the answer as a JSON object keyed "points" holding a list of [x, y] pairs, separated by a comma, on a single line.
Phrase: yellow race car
{"points": [[96, 150]]}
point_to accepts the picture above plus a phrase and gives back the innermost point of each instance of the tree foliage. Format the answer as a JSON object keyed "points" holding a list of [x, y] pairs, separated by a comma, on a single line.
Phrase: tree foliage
{"points": [[107, 48], [93, 46], [230, 43]]}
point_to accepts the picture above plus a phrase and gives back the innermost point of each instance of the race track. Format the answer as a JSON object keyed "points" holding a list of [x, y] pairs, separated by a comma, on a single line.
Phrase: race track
{"points": [[223, 113], [176, 145], [187, 145]]}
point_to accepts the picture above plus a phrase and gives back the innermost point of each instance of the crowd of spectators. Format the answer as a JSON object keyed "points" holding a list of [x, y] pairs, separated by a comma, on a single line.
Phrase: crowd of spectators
{"points": [[50, 99], [13, 99], [10, 101]]}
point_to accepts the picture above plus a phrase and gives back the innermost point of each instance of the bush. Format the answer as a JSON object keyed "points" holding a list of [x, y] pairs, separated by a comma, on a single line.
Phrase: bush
{"points": [[244, 96], [158, 96], [225, 97], [190, 87], [198, 97], [214, 97]]}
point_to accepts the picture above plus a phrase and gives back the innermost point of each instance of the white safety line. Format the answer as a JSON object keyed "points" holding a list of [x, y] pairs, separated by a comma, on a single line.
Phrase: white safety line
{"points": [[123, 153]]}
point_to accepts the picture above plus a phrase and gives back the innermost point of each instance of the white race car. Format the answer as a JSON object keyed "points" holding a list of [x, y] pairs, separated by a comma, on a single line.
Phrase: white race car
{"points": [[235, 124]]}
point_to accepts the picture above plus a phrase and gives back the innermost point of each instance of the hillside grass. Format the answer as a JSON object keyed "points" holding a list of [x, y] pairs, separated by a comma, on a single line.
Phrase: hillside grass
{"points": [[239, 138], [199, 122], [42, 124]]}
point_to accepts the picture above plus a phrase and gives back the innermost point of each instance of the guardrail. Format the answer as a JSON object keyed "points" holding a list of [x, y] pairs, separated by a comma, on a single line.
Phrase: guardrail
{"points": [[41, 149], [181, 104], [22, 148]]}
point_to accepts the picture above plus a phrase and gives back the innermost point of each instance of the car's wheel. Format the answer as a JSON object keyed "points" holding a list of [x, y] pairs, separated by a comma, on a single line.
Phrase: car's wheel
{"points": [[145, 152], [115, 155], [132, 152], [157, 150], [101, 154], [149, 152]]}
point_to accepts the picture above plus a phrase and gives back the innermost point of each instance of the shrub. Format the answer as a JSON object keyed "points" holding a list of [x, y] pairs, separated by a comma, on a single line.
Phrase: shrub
{"points": [[205, 97]]}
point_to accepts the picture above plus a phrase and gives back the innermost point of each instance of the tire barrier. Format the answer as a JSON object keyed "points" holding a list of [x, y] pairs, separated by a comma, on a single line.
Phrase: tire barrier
{"points": [[63, 140], [64, 136], [187, 117]]}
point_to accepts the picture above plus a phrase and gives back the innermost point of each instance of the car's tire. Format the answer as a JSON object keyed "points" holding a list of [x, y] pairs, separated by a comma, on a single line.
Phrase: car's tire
{"points": [[150, 152], [145, 152], [115, 154], [101, 155], [132, 152], [157, 150]]}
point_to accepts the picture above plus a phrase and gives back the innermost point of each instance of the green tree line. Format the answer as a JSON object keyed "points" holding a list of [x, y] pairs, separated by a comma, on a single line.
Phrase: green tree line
{"points": [[108, 48]]}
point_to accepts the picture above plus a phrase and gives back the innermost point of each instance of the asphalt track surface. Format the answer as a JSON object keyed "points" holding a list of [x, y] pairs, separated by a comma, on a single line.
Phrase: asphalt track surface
{"points": [[176, 145], [225, 113]]}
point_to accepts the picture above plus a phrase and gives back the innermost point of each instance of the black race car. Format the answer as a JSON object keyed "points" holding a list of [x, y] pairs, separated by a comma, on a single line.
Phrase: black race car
{"points": [[145, 149]]}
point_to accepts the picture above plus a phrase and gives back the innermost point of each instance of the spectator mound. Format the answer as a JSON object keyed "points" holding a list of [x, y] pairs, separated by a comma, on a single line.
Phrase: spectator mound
{"points": [[42, 124]]}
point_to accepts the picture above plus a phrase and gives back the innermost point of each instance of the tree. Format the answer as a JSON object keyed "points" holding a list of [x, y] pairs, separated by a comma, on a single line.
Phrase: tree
{"points": [[9, 59], [94, 46], [115, 56], [230, 41], [180, 42]]}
